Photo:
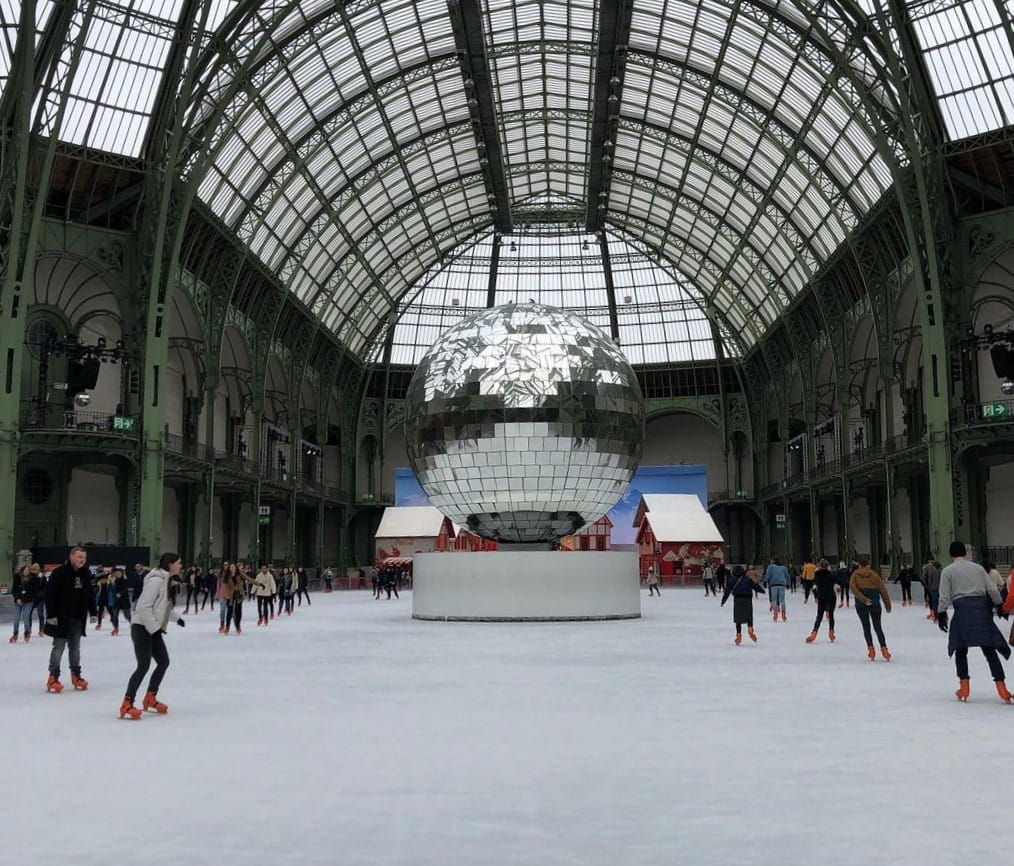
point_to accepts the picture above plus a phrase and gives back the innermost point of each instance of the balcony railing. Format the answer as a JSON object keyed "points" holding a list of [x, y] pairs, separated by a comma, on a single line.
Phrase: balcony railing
{"points": [[52, 417], [188, 448]]}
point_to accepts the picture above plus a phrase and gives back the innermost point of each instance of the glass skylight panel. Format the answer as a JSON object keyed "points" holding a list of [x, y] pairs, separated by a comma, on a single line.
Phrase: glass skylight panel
{"points": [[968, 53]]}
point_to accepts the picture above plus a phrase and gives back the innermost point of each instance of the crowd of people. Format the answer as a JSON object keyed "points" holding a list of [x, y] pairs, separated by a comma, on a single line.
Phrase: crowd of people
{"points": [[74, 595], [977, 593], [71, 597]]}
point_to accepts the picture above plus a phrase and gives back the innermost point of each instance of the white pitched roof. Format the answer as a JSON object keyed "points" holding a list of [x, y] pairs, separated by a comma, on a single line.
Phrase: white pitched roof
{"points": [[678, 517], [416, 521]]}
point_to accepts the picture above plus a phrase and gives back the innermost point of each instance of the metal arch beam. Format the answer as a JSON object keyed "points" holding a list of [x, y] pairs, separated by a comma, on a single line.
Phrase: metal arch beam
{"points": [[346, 110], [614, 34], [741, 99], [736, 175], [466, 21], [676, 195]]}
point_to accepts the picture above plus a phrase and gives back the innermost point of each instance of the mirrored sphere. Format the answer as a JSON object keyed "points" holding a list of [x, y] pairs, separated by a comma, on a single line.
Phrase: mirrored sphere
{"points": [[524, 423]]}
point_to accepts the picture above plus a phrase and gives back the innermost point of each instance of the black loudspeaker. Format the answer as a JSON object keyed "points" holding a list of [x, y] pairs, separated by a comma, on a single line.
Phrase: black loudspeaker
{"points": [[82, 375]]}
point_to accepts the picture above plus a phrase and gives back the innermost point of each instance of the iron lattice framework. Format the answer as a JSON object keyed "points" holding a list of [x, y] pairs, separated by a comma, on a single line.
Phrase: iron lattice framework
{"points": [[358, 149]]}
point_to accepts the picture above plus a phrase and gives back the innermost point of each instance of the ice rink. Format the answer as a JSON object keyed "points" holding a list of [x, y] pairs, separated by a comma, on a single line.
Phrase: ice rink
{"points": [[351, 734]]}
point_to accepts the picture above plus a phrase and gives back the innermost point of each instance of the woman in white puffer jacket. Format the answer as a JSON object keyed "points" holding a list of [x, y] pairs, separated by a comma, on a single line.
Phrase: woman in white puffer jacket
{"points": [[147, 629]]}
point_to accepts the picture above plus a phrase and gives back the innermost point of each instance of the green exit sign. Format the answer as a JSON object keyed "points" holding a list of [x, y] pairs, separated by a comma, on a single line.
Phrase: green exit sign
{"points": [[123, 423], [995, 410]]}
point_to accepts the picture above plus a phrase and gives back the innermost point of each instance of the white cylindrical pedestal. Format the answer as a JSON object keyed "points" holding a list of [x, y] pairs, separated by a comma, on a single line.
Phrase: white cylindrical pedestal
{"points": [[525, 586]]}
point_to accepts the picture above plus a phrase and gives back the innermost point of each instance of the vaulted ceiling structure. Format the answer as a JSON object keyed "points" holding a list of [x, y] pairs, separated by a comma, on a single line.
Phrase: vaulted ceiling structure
{"points": [[676, 170]]}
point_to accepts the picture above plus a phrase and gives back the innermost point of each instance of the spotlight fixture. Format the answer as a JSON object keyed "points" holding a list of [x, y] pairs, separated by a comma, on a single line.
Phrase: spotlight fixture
{"points": [[83, 399], [1007, 386]]}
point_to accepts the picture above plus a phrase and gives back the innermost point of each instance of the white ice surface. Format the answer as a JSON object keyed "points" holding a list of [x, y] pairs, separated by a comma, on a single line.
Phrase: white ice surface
{"points": [[351, 734]]}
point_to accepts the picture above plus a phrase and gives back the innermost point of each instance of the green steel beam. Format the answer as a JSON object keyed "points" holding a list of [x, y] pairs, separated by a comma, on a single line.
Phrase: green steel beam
{"points": [[607, 87]]}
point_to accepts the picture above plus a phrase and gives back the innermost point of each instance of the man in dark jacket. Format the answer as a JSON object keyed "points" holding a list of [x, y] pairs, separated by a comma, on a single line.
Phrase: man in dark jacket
{"points": [[69, 600]]}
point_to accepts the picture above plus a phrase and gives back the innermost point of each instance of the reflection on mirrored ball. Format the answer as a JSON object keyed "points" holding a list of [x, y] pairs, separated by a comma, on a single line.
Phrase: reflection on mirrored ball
{"points": [[524, 423]]}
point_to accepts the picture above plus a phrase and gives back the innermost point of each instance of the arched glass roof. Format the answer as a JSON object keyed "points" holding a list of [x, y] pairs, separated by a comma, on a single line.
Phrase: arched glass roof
{"points": [[356, 146], [658, 314]]}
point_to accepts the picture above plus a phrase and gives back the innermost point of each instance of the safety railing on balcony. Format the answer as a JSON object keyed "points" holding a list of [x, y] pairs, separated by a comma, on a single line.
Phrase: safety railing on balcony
{"points": [[54, 417], [188, 448]]}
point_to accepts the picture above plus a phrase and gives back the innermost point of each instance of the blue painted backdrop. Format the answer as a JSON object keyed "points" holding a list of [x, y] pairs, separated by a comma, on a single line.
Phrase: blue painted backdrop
{"points": [[647, 479]]}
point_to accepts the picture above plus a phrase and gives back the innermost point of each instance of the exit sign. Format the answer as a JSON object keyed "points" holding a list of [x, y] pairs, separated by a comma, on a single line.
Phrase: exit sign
{"points": [[123, 423], [995, 410]]}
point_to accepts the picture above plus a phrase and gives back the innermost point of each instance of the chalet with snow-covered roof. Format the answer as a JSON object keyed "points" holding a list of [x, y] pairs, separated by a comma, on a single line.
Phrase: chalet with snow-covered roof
{"points": [[407, 530], [676, 534]]}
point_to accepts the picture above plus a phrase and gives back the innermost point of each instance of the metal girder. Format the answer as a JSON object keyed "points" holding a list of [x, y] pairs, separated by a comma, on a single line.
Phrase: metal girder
{"points": [[607, 87], [466, 21]]}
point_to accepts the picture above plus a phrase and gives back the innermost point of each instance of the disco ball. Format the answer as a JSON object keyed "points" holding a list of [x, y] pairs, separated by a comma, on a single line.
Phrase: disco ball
{"points": [[524, 423]]}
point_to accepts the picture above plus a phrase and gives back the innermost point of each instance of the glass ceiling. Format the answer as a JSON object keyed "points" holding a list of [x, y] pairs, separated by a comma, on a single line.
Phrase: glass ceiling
{"points": [[659, 319], [356, 147]]}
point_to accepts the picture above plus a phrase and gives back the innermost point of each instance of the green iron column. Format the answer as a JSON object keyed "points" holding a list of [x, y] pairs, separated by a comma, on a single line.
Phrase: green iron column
{"points": [[17, 261], [320, 552], [207, 526]]}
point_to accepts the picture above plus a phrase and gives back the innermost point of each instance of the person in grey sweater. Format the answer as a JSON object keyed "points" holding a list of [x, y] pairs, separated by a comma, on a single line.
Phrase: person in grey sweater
{"points": [[152, 613], [966, 586]]}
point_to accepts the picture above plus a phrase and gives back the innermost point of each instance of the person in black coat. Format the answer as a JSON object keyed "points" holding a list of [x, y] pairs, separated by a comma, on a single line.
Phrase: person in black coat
{"points": [[70, 598], [825, 592], [742, 590]]}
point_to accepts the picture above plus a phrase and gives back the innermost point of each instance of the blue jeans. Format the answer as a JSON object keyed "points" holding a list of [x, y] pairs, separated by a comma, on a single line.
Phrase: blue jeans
{"points": [[777, 597], [23, 613]]}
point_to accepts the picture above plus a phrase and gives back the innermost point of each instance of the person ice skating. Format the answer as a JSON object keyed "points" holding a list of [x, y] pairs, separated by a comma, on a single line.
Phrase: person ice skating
{"points": [[302, 580], [931, 582], [708, 576], [327, 575], [742, 590], [223, 594], [776, 576], [809, 570], [151, 618], [23, 590], [265, 589], [121, 600], [905, 577], [70, 599], [966, 586], [824, 586], [869, 590], [652, 581], [842, 576]]}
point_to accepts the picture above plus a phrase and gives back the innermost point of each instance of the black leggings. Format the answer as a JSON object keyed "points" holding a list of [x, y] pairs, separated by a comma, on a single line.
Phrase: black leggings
{"points": [[301, 592], [824, 605], [843, 593], [234, 613], [807, 589], [995, 668], [264, 606], [906, 590], [867, 614], [147, 646]]}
